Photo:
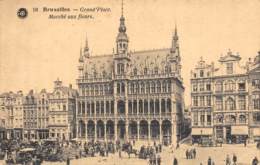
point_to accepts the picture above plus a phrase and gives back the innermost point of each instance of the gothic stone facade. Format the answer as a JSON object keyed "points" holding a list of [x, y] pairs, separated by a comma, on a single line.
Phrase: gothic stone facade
{"points": [[130, 95], [225, 100]]}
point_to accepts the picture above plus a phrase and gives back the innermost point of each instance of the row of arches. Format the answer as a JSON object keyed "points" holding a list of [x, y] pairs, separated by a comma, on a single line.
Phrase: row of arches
{"points": [[132, 130], [231, 118], [152, 106]]}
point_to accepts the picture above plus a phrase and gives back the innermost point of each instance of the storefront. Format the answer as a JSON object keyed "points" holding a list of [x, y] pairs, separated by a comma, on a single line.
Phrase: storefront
{"points": [[239, 134], [256, 134], [2, 133], [199, 133]]}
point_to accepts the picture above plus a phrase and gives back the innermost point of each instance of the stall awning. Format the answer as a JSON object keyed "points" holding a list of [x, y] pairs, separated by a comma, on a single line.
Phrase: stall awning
{"points": [[202, 131], [256, 131], [239, 130]]}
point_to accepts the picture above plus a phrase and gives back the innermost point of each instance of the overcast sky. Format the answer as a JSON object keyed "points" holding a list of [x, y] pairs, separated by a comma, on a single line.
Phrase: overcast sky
{"points": [[35, 51]]}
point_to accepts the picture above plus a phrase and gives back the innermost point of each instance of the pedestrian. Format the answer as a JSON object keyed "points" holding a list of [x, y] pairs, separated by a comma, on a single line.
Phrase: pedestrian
{"points": [[107, 152], [245, 143], [209, 161], [178, 145], [255, 161], [228, 161], [175, 161], [68, 161], [158, 160], [119, 153], [194, 153], [234, 159], [187, 154]]}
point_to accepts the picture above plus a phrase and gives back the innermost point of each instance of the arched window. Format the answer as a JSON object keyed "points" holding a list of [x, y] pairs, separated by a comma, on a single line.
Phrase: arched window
{"points": [[156, 70], [242, 119], [218, 86], [169, 105], [229, 86], [148, 87], [201, 73], [120, 69], [163, 106], [136, 87], [135, 71], [135, 107], [101, 89], [82, 105], [96, 89], [107, 107], [230, 104], [158, 84], [157, 106], [97, 108], [118, 88], [102, 107], [145, 71], [123, 87], [231, 119], [164, 86], [145, 107], [121, 107], [219, 119], [152, 87], [132, 87], [169, 86], [151, 107], [142, 87], [130, 106], [140, 106]]}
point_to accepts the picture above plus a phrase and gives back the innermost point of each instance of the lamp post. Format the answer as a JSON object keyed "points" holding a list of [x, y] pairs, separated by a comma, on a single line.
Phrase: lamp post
{"points": [[201, 137]]}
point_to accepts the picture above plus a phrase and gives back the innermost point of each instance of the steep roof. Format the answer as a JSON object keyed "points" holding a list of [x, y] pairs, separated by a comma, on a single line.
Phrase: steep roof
{"points": [[139, 59]]}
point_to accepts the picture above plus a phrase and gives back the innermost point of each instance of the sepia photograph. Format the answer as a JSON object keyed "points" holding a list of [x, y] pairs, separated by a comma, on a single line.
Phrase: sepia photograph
{"points": [[130, 82]]}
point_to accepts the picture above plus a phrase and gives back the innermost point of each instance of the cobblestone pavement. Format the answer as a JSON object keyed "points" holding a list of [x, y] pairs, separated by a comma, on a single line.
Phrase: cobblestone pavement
{"points": [[218, 155]]}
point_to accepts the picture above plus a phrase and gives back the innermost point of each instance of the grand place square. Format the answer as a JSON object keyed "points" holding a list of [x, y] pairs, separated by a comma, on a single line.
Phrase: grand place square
{"points": [[136, 107]]}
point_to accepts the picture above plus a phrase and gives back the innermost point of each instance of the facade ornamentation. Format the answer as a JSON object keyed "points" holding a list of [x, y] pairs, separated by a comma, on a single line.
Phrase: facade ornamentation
{"points": [[225, 100], [130, 95]]}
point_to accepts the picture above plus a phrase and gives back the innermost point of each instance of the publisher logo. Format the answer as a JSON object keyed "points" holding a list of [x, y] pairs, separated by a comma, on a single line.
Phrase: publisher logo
{"points": [[22, 13]]}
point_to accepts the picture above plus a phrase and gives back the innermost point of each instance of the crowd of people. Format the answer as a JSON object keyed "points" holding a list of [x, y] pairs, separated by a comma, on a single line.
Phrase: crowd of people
{"points": [[35, 152], [191, 153]]}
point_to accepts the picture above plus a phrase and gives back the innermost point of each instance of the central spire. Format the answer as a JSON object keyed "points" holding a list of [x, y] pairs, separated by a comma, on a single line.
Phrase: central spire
{"points": [[122, 27], [122, 39]]}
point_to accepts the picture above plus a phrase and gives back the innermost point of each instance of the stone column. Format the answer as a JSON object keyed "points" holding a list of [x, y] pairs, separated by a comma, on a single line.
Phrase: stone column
{"points": [[115, 131], [86, 130], [161, 132], [149, 131], [105, 131], [137, 106], [137, 130], [126, 107], [160, 108], [148, 102], [224, 134], [95, 138], [95, 112], [126, 130], [174, 133]]}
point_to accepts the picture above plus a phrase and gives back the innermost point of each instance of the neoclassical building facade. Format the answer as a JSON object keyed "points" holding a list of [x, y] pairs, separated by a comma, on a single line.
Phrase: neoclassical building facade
{"points": [[225, 99], [130, 95]]}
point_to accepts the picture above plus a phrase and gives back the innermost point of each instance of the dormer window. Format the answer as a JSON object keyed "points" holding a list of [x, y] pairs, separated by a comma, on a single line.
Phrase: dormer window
{"points": [[120, 69], [229, 68], [167, 69], [145, 71], [104, 73], [156, 70], [201, 73], [135, 71]]}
